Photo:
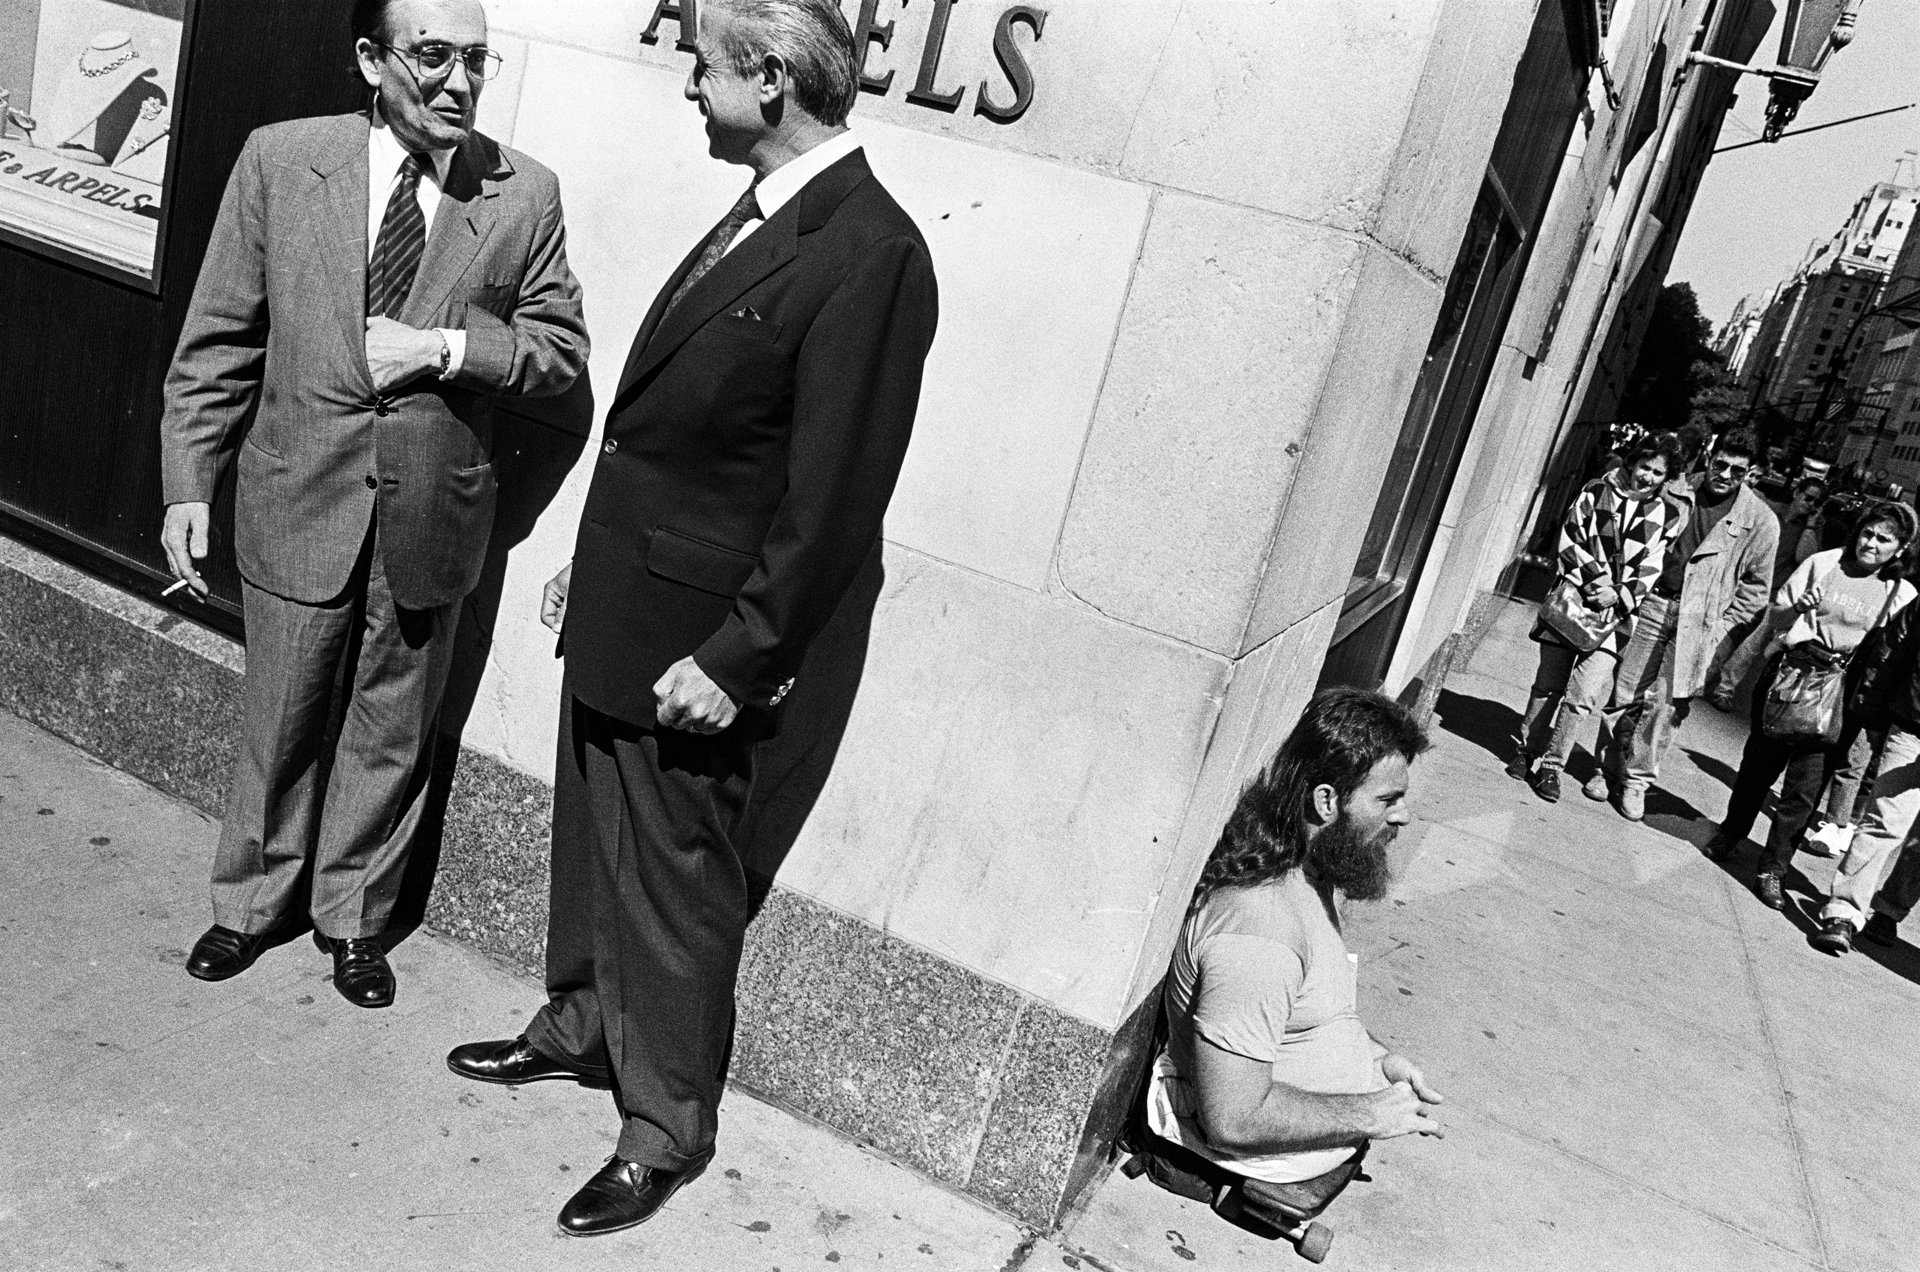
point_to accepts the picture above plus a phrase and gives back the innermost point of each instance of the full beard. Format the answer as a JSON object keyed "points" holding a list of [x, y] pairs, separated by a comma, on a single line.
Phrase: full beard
{"points": [[1355, 864]]}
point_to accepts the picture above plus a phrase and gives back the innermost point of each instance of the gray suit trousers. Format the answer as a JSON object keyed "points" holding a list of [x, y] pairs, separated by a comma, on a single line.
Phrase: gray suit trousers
{"points": [[350, 805]]}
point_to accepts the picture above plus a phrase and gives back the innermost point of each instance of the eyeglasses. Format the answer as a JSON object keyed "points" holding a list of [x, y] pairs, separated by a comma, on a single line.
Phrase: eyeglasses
{"points": [[1731, 467], [434, 60]]}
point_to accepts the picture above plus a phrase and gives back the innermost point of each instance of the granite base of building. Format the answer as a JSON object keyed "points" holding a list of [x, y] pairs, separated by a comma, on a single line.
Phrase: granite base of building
{"points": [[972, 1082]]}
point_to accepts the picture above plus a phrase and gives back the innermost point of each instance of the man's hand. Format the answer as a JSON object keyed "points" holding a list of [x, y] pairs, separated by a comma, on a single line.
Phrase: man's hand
{"points": [[1402, 1110], [688, 700], [553, 598], [1397, 1068], [397, 353], [184, 536]]}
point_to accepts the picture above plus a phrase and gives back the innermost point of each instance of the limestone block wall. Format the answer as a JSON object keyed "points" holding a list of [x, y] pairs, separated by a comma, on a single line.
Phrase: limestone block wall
{"points": [[1184, 298], [1560, 319]]}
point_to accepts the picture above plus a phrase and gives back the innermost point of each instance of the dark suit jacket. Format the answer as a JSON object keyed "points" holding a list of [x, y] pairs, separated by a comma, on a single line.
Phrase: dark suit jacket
{"points": [[278, 322], [751, 450]]}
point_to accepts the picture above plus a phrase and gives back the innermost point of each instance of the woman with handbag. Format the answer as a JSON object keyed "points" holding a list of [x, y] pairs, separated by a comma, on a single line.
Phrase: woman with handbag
{"points": [[1801, 725], [1886, 691], [1611, 547]]}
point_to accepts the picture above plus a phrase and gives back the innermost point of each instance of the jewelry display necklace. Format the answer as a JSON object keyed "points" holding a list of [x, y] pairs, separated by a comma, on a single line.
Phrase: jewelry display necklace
{"points": [[117, 62]]}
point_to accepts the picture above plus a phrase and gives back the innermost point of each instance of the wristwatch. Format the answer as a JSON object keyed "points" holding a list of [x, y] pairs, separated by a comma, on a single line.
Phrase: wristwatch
{"points": [[446, 356]]}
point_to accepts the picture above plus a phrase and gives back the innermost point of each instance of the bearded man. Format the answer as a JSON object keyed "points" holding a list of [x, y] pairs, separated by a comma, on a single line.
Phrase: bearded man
{"points": [[1267, 1073]]}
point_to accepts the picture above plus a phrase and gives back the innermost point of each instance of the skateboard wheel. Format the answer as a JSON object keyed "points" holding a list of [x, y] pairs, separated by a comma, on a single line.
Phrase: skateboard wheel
{"points": [[1315, 1242]]}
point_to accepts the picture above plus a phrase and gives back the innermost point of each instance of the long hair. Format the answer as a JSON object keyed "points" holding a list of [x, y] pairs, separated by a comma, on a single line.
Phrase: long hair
{"points": [[1343, 733]]}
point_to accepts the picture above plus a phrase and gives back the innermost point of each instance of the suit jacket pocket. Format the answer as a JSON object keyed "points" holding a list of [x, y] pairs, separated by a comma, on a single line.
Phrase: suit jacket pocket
{"points": [[734, 324], [496, 298], [699, 564]]}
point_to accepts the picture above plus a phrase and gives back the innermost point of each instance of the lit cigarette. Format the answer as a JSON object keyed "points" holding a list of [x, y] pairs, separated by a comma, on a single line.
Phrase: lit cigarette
{"points": [[174, 588]]}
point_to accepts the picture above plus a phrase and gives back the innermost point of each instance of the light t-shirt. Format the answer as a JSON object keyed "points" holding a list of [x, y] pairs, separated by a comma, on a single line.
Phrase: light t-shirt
{"points": [[1849, 607], [1263, 973]]}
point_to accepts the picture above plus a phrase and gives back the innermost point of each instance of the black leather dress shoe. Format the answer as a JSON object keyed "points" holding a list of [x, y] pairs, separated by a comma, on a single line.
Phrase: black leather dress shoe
{"points": [[222, 952], [510, 1062], [623, 1194], [360, 970]]}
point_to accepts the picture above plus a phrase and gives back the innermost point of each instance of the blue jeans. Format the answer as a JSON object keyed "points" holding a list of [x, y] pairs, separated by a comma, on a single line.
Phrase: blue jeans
{"points": [[1645, 715]]}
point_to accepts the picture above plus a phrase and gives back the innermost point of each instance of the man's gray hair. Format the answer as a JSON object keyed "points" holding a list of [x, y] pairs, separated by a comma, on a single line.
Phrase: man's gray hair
{"points": [[813, 39]]}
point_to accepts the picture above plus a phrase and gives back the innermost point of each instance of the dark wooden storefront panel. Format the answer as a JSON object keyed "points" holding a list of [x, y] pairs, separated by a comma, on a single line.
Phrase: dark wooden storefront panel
{"points": [[82, 358]]}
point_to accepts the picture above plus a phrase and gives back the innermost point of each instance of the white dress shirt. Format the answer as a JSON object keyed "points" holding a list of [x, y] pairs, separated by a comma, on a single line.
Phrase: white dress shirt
{"points": [[385, 154], [779, 186]]}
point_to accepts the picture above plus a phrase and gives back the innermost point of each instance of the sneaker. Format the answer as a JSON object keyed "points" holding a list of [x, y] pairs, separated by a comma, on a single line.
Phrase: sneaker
{"points": [[1827, 840], [1771, 894], [1546, 784], [1721, 699], [1520, 767], [1834, 937], [1881, 930], [1597, 788], [1633, 803]]}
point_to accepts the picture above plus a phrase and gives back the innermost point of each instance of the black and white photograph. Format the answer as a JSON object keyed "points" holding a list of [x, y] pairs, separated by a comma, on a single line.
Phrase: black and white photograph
{"points": [[87, 94], [959, 635]]}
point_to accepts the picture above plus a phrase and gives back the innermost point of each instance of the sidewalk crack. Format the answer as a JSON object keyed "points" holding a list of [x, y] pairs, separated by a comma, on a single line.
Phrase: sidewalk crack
{"points": [[1800, 1171]]}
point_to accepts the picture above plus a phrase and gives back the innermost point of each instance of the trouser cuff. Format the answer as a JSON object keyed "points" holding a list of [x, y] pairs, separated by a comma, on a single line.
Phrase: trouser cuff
{"points": [[643, 1142]]}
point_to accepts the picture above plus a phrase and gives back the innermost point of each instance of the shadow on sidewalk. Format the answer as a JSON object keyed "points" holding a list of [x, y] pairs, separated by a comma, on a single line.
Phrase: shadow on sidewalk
{"points": [[1489, 725], [1900, 958], [1804, 899], [1717, 769]]}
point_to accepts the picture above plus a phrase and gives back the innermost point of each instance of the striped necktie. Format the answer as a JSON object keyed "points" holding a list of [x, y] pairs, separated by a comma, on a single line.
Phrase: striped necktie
{"points": [[747, 209], [396, 254]]}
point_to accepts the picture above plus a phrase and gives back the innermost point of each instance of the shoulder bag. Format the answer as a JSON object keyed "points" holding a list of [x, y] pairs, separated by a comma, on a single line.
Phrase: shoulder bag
{"points": [[1807, 699], [1567, 617]]}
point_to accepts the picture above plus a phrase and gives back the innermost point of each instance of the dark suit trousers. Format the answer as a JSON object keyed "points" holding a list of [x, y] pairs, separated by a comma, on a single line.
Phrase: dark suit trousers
{"points": [[352, 807], [647, 918]]}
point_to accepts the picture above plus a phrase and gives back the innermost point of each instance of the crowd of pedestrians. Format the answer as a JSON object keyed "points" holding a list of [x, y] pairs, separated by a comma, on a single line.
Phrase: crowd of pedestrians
{"points": [[1672, 585]]}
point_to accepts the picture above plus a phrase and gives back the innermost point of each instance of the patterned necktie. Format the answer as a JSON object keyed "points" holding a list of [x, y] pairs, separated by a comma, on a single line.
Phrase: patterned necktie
{"points": [[747, 209], [396, 255]]}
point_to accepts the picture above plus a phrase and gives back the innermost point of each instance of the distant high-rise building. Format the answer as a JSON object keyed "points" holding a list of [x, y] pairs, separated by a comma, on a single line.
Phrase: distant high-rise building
{"points": [[1883, 378], [1798, 340]]}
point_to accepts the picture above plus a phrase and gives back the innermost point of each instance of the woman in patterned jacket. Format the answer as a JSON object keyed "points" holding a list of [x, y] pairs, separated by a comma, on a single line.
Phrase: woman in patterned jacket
{"points": [[1610, 549]]}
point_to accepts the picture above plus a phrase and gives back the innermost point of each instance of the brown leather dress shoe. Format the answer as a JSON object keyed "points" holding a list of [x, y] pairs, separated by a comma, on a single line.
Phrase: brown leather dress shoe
{"points": [[222, 952], [360, 969], [512, 1061], [622, 1194]]}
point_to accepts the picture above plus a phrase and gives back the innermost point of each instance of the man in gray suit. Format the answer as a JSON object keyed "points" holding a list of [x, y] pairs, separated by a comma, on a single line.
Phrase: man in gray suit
{"points": [[373, 283]]}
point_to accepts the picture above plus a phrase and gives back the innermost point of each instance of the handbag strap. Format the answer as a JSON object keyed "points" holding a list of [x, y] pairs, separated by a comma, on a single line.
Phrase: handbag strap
{"points": [[1893, 590]]}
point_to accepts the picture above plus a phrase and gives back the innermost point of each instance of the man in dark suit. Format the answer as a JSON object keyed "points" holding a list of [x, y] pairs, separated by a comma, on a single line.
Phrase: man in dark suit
{"points": [[748, 459], [373, 283]]}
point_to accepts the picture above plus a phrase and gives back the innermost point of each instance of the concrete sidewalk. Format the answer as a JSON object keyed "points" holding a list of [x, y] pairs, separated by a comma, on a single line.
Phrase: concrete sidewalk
{"points": [[1645, 1068], [157, 1124]]}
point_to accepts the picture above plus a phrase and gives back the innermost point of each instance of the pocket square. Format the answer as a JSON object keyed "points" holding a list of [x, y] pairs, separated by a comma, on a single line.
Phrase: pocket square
{"points": [[748, 312]]}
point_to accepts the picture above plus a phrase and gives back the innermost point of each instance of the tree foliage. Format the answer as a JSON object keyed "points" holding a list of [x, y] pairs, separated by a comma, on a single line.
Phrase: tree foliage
{"points": [[1678, 381]]}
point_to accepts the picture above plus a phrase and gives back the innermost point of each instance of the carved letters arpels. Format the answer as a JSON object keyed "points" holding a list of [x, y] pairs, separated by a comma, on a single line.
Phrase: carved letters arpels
{"points": [[869, 31]]}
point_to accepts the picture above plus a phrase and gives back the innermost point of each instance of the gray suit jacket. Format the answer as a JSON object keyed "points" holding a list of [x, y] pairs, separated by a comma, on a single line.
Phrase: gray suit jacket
{"points": [[278, 323]]}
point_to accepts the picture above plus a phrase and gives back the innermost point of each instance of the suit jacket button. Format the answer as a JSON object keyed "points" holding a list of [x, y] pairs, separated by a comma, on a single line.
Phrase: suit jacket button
{"points": [[372, 484], [382, 410], [610, 447]]}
